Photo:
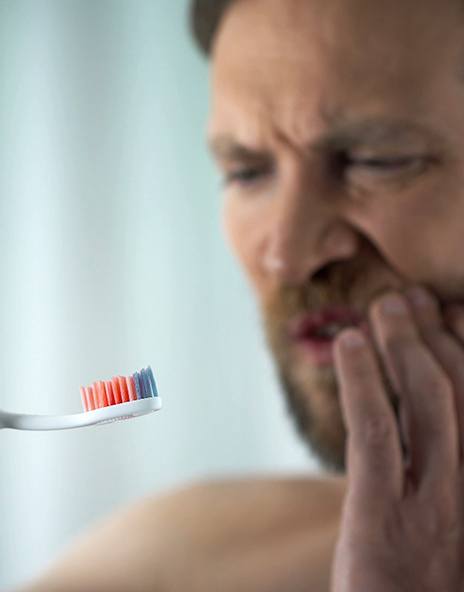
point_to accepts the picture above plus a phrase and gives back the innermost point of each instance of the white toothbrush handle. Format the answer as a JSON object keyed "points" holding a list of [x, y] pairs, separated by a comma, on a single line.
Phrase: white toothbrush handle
{"points": [[20, 421]]}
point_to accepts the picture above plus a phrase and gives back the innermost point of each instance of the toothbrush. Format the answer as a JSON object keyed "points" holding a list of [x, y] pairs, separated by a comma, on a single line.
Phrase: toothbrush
{"points": [[103, 402]]}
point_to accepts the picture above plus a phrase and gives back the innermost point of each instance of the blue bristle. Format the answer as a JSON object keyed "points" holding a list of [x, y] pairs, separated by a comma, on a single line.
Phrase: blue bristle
{"points": [[142, 385], [137, 385], [146, 384], [151, 378], [146, 394]]}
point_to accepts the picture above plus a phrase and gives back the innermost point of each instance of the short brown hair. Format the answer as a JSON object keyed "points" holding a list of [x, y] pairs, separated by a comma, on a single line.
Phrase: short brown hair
{"points": [[205, 16]]}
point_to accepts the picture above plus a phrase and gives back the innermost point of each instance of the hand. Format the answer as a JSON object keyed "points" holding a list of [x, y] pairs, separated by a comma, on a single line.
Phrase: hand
{"points": [[402, 523]]}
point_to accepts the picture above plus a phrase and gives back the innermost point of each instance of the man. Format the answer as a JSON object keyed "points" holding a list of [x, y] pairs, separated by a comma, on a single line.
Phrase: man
{"points": [[339, 128]]}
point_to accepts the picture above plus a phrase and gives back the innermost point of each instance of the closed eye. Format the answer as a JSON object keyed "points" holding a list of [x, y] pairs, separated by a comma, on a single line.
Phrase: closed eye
{"points": [[245, 176], [388, 165]]}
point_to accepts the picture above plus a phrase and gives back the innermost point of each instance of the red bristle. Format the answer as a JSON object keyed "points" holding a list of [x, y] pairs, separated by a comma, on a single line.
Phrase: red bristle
{"points": [[131, 388], [88, 392], [102, 400], [98, 400], [109, 392], [103, 391], [120, 389], [91, 397], [84, 399], [95, 395], [123, 387], [116, 390]]}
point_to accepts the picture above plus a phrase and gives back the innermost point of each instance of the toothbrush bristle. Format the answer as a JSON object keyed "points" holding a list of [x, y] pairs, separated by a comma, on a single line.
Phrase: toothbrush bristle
{"points": [[131, 388], [120, 389], [123, 389], [151, 378], [85, 403], [92, 397], [116, 391], [101, 394], [138, 388], [109, 392], [144, 384]]}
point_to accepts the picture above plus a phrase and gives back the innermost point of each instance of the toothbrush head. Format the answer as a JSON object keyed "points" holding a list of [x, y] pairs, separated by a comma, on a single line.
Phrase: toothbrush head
{"points": [[120, 389], [122, 397]]}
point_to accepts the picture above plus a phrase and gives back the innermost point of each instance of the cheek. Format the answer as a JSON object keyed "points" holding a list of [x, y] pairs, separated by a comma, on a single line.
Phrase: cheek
{"points": [[422, 235], [245, 229]]}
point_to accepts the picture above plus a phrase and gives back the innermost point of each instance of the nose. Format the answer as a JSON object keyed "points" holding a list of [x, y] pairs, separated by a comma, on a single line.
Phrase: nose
{"points": [[305, 235]]}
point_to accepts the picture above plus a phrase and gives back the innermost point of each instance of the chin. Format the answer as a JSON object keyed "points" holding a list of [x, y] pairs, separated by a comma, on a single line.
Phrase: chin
{"points": [[312, 400]]}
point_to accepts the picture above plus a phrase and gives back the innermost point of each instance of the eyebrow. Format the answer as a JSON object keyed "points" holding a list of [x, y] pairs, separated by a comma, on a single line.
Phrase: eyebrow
{"points": [[376, 131], [343, 136], [226, 147]]}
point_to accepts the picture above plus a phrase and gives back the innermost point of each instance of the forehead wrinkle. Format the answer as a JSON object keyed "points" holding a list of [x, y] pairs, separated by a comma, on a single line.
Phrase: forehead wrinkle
{"points": [[339, 135], [260, 119], [338, 131], [304, 123]]}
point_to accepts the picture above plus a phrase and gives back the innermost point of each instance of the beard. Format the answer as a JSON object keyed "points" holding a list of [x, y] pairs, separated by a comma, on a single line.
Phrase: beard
{"points": [[316, 413], [312, 392]]}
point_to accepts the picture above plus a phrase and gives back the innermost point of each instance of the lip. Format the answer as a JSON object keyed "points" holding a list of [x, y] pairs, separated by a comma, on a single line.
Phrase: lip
{"points": [[302, 326], [318, 350]]}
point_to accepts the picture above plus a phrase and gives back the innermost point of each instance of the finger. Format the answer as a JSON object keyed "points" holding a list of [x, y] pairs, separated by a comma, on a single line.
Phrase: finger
{"points": [[425, 390], [444, 345], [373, 446]]}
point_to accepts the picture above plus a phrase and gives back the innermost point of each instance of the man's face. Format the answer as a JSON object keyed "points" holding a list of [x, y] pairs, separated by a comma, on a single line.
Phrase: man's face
{"points": [[339, 125]]}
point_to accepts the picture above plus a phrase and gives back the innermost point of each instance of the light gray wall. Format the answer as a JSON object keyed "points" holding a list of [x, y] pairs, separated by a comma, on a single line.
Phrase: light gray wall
{"points": [[112, 258]]}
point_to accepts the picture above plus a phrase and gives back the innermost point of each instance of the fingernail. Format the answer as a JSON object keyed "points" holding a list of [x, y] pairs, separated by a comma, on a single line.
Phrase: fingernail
{"points": [[394, 304], [352, 339], [419, 297]]}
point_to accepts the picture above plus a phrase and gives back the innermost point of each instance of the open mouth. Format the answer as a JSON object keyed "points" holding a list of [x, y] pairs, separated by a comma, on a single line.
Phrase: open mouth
{"points": [[325, 332], [323, 325], [314, 334]]}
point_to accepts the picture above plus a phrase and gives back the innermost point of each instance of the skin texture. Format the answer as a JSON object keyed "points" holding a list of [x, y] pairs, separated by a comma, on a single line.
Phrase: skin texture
{"points": [[339, 126], [402, 523], [311, 86]]}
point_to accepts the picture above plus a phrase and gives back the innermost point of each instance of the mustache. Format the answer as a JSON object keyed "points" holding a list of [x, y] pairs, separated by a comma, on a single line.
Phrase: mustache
{"points": [[332, 285], [350, 283]]}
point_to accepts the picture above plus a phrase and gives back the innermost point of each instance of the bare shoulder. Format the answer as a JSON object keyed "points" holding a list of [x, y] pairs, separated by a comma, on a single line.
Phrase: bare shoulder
{"points": [[164, 541], [252, 504]]}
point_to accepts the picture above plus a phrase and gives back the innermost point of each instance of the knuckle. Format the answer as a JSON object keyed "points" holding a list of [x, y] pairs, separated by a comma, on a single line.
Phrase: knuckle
{"points": [[432, 524], [377, 429], [438, 511], [368, 449], [439, 525]]}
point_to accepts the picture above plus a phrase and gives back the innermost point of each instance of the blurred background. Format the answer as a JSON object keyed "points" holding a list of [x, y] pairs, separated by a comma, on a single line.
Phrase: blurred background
{"points": [[112, 257]]}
